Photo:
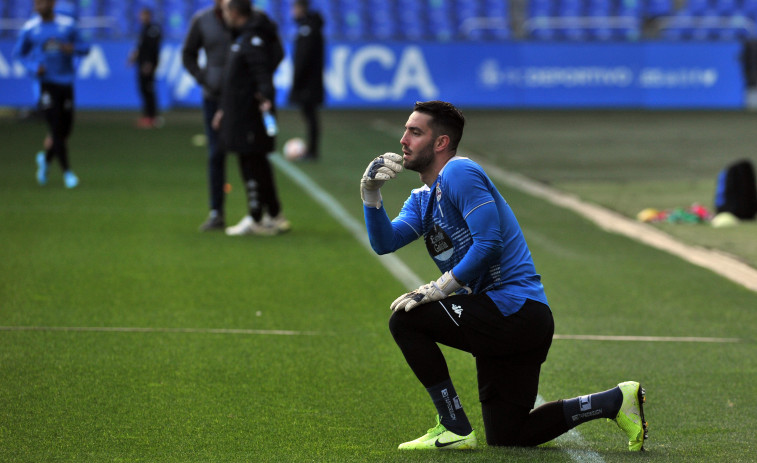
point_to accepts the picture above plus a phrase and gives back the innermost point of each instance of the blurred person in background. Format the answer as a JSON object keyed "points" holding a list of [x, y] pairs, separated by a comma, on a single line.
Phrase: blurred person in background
{"points": [[247, 92], [146, 57], [208, 32], [47, 45], [307, 82]]}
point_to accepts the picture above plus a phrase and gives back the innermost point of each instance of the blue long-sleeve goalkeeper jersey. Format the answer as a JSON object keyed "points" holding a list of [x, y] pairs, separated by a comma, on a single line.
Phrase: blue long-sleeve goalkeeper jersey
{"points": [[39, 43], [468, 228]]}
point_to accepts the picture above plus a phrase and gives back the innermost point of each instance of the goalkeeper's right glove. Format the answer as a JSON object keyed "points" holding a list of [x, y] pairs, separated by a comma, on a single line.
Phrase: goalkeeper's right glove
{"points": [[431, 292], [381, 169]]}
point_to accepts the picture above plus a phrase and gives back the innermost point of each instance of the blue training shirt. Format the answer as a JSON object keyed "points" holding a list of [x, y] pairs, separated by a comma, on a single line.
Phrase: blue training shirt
{"points": [[39, 43], [468, 228]]}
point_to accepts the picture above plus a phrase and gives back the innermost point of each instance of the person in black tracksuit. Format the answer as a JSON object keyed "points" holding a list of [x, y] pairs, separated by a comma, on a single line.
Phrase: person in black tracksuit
{"points": [[247, 91], [146, 57], [307, 84]]}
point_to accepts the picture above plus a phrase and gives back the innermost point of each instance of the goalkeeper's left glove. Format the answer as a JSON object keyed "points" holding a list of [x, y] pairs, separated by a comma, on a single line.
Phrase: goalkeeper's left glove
{"points": [[434, 291], [381, 169]]}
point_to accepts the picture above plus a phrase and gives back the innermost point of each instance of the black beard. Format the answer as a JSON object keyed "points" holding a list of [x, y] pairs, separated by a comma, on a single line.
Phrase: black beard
{"points": [[423, 159]]}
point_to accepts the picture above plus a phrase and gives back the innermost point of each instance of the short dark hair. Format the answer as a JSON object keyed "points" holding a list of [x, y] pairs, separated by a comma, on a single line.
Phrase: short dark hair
{"points": [[302, 3], [446, 119], [243, 7]]}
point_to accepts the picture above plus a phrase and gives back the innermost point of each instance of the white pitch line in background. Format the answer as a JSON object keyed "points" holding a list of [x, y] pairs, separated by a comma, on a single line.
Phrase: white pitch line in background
{"points": [[595, 337], [133, 329], [391, 262], [614, 222]]}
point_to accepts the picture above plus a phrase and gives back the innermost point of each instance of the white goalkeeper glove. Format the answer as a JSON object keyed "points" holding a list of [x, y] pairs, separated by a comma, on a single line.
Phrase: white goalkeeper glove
{"points": [[434, 291], [381, 169]]}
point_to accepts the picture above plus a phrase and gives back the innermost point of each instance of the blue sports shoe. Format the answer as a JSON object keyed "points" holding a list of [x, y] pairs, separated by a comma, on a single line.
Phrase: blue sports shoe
{"points": [[70, 179], [41, 168]]}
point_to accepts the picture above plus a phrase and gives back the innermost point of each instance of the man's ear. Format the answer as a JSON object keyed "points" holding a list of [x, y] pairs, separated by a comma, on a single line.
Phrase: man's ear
{"points": [[441, 143]]}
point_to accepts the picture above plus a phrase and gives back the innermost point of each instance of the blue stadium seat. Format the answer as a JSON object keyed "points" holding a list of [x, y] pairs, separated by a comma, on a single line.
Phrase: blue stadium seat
{"points": [[88, 8], [599, 7], [629, 9], [175, 19], [20, 9], [626, 33], [679, 27], [412, 23], [574, 33], [570, 8], [540, 8], [654, 8], [440, 25], [726, 7], [468, 11], [729, 33], [382, 23], [543, 34], [499, 11], [353, 24], [702, 33], [696, 7], [6, 33], [123, 19], [600, 28], [675, 34], [749, 7], [496, 8]]}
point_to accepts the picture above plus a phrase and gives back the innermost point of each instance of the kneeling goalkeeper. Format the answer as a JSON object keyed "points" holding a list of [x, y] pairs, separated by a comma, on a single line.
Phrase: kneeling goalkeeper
{"points": [[489, 300]]}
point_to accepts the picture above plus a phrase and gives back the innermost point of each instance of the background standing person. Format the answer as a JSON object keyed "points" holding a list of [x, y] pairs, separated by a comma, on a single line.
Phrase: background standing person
{"points": [[146, 57], [247, 92], [208, 32], [489, 300], [307, 83], [47, 45]]}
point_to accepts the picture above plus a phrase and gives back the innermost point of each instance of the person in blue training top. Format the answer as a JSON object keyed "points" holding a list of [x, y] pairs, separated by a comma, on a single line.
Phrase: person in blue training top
{"points": [[47, 46], [489, 300]]}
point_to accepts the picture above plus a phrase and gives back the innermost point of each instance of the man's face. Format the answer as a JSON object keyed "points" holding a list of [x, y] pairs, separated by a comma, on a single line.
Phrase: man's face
{"points": [[418, 142], [229, 16], [44, 7], [145, 16], [298, 11]]}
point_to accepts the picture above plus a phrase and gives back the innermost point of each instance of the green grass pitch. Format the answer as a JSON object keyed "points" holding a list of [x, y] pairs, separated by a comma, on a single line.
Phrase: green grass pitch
{"points": [[195, 378]]}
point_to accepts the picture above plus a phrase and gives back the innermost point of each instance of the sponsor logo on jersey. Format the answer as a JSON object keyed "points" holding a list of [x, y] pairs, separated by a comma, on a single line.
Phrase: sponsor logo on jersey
{"points": [[439, 244]]}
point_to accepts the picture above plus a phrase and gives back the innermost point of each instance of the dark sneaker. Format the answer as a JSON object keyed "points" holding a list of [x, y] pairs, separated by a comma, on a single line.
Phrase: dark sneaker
{"points": [[214, 222]]}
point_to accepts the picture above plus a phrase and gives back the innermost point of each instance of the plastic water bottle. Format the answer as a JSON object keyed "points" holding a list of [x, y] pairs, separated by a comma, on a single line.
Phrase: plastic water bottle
{"points": [[270, 124]]}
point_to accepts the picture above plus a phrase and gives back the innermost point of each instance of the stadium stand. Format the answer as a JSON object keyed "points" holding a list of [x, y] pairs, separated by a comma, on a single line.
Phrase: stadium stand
{"points": [[439, 20]]}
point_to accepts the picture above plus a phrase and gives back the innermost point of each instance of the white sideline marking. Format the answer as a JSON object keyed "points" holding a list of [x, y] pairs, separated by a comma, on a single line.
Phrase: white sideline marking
{"points": [[391, 262], [406, 276], [593, 337], [574, 438], [110, 329], [610, 221]]}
